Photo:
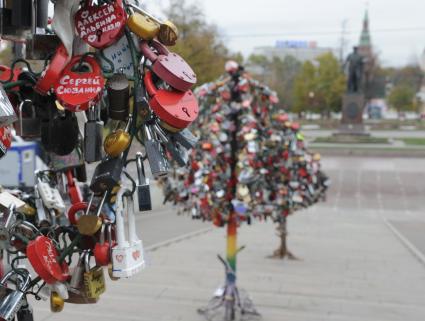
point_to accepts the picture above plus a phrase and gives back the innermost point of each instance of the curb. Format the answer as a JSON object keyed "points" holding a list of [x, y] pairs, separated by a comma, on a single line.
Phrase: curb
{"points": [[413, 249], [154, 247]]}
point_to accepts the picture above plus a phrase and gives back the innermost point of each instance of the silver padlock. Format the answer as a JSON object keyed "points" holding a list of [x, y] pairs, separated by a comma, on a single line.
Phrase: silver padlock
{"points": [[12, 300], [157, 160]]}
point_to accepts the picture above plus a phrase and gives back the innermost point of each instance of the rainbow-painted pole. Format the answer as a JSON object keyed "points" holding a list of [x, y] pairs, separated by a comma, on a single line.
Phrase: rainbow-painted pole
{"points": [[232, 249]]}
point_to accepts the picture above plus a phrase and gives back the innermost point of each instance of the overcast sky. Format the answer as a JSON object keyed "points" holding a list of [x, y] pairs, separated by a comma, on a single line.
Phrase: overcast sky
{"points": [[397, 26]]}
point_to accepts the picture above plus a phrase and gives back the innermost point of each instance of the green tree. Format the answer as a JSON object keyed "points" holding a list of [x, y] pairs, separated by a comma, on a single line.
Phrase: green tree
{"points": [[199, 42], [319, 87], [402, 98], [304, 88]]}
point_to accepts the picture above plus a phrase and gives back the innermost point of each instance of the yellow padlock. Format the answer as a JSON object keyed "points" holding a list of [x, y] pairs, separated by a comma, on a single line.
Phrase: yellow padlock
{"points": [[56, 303], [143, 26], [89, 224], [118, 141], [167, 32], [94, 280]]}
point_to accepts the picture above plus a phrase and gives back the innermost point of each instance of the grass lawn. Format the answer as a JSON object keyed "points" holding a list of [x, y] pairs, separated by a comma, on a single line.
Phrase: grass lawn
{"points": [[352, 140], [414, 141]]}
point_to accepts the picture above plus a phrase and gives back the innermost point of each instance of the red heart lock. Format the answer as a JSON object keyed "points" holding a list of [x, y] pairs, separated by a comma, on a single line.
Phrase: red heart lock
{"points": [[51, 74], [78, 90], [100, 26], [169, 66], [177, 109], [43, 256], [5, 139]]}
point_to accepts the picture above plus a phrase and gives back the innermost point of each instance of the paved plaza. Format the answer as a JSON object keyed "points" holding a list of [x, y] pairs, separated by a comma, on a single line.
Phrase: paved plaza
{"points": [[359, 256]]}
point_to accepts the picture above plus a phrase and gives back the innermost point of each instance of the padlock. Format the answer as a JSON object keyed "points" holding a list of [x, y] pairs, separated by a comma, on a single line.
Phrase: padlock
{"points": [[141, 104], [102, 250], [5, 140], [80, 84], [118, 96], [12, 300], [167, 33], [89, 224], [100, 25], [143, 187], [118, 141], [7, 113], [42, 217], [107, 175], [127, 255], [94, 279], [61, 133], [73, 160], [93, 137], [57, 303], [177, 109], [22, 11], [51, 74], [25, 313], [157, 160], [177, 153], [143, 26], [43, 256], [7, 219], [51, 197], [186, 138], [169, 66]]}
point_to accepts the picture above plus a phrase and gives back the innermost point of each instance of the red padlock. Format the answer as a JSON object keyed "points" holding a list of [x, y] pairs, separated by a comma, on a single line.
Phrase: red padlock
{"points": [[102, 249], [6, 72], [43, 256], [177, 109], [78, 90], [51, 74], [100, 26], [5, 140], [169, 66]]}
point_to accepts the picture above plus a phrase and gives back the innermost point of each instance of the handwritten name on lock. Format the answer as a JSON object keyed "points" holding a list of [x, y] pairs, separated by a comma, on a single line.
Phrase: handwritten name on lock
{"points": [[100, 26], [120, 55]]}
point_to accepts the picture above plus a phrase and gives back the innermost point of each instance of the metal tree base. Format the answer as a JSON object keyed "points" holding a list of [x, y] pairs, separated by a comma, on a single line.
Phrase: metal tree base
{"points": [[229, 303]]}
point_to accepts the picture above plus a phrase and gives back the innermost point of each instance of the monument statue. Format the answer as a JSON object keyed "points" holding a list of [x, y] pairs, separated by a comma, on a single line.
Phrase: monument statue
{"points": [[355, 63]]}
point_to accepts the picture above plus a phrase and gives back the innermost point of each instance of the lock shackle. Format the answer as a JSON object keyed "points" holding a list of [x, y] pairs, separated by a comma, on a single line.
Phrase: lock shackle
{"points": [[81, 206], [145, 48], [148, 132], [128, 203], [140, 166], [149, 84]]}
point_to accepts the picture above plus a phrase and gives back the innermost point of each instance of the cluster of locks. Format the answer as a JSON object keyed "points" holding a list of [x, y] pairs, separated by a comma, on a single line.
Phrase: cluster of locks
{"points": [[110, 73], [251, 159]]}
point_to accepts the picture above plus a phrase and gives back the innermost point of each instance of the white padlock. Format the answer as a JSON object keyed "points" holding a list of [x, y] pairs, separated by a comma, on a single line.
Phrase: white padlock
{"points": [[128, 255], [51, 197]]}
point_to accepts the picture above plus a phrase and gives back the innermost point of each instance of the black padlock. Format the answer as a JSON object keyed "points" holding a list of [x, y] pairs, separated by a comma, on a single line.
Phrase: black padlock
{"points": [[64, 133], [107, 175], [80, 173], [25, 313], [93, 137], [157, 160], [143, 187], [118, 94]]}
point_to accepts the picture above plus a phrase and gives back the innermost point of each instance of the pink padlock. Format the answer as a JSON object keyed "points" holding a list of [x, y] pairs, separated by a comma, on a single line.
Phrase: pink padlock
{"points": [[169, 66]]}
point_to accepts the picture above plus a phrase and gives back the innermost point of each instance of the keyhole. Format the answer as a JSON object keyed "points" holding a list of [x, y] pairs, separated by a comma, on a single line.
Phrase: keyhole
{"points": [[186, 111], [99, 34]]}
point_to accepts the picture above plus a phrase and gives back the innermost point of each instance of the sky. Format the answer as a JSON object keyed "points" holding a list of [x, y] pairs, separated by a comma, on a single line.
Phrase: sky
{"points": [[397, 26]]}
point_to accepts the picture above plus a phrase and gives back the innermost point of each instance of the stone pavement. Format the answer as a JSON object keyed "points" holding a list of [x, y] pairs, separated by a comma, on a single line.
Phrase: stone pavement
{"points": [[352, 267]]}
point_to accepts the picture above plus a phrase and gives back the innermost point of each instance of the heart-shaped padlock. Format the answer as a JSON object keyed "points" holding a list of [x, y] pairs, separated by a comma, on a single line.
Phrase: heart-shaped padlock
{"points": [[43, 256], [51, 74], [77, 90], [100, 25], [177, 109], [5, 140], [169, 66]]}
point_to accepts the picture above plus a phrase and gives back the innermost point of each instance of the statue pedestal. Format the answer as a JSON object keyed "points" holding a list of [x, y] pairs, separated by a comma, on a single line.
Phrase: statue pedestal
{"points": [[352, 115]]}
